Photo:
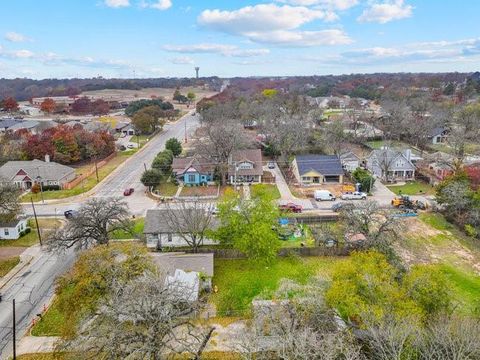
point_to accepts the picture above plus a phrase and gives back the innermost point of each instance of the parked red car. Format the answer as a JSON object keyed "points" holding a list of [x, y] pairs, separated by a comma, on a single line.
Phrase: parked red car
{"points": [[291, 207], [128, 191]]}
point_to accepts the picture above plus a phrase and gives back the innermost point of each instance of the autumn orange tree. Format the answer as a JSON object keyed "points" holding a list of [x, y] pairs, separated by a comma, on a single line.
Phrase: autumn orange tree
{"points": [[48, 105], [10, 104]]}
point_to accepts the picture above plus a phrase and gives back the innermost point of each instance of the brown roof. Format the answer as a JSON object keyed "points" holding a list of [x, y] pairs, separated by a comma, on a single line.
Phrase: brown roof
{"points": [[251, 155], [202, 165]]}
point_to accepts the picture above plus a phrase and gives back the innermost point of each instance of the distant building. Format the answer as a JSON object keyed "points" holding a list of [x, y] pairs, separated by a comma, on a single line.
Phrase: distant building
{"points": [[26, 173], [439, 135], [245, 166], [350, 161], [318, 169], [388, 164]]}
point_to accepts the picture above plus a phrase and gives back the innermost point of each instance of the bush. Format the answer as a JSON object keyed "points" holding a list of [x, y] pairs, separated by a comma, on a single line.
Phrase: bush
{"points": [[35, 188], [174, 146], [51, 187], [28, 230], [365, 179]]}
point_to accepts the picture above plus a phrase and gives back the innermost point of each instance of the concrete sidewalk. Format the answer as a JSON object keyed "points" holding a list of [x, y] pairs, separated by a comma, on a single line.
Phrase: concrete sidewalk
{"points": [[37, 344], [26, 258]]}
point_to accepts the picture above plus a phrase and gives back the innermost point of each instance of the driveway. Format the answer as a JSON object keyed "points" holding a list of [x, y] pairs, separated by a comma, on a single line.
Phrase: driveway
{"points": [[285, 193]]}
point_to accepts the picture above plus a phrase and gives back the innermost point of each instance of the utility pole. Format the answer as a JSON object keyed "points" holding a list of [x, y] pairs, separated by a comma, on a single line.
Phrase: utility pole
{"points": [[96, 169], [36, 222], [14, 330], [145, 166], [186, 139]]}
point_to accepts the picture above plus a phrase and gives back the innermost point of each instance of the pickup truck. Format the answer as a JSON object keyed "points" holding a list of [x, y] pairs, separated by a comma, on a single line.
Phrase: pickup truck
{"points": [[356, 195], [291, 207]]}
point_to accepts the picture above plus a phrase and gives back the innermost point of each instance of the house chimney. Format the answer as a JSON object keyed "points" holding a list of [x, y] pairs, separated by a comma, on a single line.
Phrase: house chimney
{"points": [[408, 154], [47, 158]]}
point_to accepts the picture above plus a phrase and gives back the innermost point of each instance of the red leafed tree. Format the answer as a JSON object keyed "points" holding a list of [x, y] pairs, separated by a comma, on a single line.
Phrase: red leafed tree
{"points": [[66, 147], [100, 107], [82, 106], [37, 146], [473, 173], [48, 105], [10, 104]]}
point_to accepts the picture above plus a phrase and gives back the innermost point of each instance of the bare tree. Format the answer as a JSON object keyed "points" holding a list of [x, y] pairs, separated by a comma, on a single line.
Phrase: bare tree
{"points": [[143, 319], [395, 113], [377, 224], [302, 327], [451, 337], [335, 137], [9, 203], [385, 159], [225, 134], [92, 224], [191, 221]]}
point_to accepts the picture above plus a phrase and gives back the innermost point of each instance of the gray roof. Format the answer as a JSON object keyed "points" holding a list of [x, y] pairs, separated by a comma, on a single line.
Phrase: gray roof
{"points": [[13, 223], [327, 165], [28, 124], [34, 168], [157, 220], [437, 131], [348, 155], [169, 262]]}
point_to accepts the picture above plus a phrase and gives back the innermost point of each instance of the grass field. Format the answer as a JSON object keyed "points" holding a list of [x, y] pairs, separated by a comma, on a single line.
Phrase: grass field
{"points": [[86, 185], [413, 188], [137, 231], [432, 239], [271, 189], [8, 264], [32, 237], [51, 322], [240, 281]]}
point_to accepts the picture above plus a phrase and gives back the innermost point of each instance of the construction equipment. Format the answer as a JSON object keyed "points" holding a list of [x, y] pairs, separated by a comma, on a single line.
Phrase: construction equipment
{"points": [[404, 202]]}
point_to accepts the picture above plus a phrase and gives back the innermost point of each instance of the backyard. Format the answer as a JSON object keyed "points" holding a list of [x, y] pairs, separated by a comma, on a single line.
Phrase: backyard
{"points": [[413, 188], [137, 231], [377, 144], [431, 239], [240, 281], [270, 189]]}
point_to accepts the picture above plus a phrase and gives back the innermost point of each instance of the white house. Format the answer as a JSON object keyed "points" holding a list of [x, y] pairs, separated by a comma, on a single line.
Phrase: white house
{"points": [[350, 161], [12, 230], [161, 233], [245, 166], [389, 164]]}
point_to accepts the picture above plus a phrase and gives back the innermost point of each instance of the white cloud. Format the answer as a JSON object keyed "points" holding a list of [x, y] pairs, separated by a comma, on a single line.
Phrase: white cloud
{"points": [[158, 4], [386, 12], [182, 60], [117, 3], [15, 37], [263, 17], [324, 4], [22, 54], [301, 38], [222, 49]]}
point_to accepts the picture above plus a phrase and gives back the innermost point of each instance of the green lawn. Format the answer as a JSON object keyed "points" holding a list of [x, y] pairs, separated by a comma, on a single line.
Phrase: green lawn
{"points": [[8, 264], [51, 322], [271, 189], [377, 144], [240, 281], [436, 221], [141, 139], [32, 237], [167, 189], [86, 185], [137, 231], [413, 188], [41, 356], [465, 286]]}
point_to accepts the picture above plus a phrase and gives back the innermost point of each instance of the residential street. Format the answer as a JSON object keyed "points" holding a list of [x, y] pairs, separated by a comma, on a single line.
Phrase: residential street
{"points": [[31, 288], [127, 175]]}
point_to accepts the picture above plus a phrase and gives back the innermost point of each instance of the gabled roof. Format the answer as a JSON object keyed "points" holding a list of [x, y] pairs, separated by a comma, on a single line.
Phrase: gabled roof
{"points": [[169, 262], [157, 221], [13, 223], [34, 168], [182, 165], [326, 165], [253, 156], [437, 131], [28, 124], [387, 156], [348, 155]]}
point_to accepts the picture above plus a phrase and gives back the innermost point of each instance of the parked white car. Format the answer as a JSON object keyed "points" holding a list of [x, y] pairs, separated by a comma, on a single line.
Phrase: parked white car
{"points": [[356, 195]]}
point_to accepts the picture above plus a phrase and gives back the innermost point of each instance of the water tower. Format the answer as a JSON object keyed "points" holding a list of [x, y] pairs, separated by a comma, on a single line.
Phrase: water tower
{"points": [[197, 69]]}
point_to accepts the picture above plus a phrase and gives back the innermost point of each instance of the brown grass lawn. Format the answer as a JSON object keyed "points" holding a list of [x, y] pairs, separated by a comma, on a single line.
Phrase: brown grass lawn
{"points": [[199, 191]]}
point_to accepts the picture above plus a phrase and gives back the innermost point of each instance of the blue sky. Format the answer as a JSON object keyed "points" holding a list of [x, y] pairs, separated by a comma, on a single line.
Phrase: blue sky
{"points": [[160, 38]]}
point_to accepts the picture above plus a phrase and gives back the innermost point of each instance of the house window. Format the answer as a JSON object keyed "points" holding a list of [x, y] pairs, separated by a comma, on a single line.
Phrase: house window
{"points": [[245, 165], [169, 238], [306, 178], [191, 178], [6, 232]]}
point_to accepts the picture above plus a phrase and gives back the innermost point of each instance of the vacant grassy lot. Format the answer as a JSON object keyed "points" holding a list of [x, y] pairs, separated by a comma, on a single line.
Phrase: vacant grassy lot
{"points": [[199, 191], [32, 237], [8, 264], [86, 185], [413, 188], [240, 281], [377, 144], [431, 239], [271, 189], [51, 322], [137, 231]]}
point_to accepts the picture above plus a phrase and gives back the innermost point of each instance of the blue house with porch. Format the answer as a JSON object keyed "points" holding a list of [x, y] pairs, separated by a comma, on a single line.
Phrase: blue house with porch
{"points": [[193, 170]]}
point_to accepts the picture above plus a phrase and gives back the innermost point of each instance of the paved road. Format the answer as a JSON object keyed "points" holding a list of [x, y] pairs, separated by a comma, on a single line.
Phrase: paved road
{"points": [[31, 289], [127, 175]]}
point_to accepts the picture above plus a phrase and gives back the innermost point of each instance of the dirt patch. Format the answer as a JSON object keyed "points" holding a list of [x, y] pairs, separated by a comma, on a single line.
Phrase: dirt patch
{"points": [[308, 191], [417, 227], [199, 191], [9, 252]]}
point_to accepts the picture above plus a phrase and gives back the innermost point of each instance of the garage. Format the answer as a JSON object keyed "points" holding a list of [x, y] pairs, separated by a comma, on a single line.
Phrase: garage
{"points": [[332, 179]]}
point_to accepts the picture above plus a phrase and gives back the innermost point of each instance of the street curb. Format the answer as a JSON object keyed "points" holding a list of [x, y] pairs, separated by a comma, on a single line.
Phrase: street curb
{"points": [[12, 273]]}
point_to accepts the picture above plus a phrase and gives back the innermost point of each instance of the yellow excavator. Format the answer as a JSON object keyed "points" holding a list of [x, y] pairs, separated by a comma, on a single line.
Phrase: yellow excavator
{"points": [[404, 202]]}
